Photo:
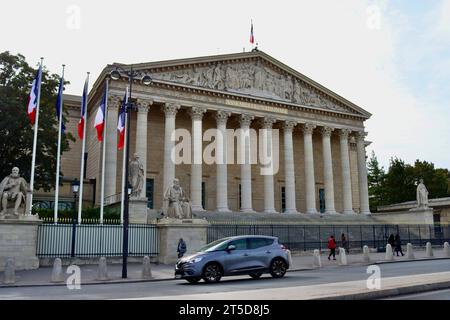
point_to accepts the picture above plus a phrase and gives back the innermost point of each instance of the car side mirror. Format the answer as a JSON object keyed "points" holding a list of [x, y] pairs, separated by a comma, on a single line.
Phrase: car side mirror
{"points": [[231, 247]]}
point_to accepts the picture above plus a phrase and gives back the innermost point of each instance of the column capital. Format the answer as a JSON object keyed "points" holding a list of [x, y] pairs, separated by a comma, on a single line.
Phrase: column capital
{"points": [[360, 136], [171, 109], [197, 113], [344, 133], [289, 125], [222, 116], [114, 102], [245, 119], [308, 128], [326, 131], [267, 122], [143, 105]]}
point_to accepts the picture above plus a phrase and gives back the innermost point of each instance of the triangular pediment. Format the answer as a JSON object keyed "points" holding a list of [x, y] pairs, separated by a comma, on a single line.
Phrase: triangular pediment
{"points": [[253, 74]]}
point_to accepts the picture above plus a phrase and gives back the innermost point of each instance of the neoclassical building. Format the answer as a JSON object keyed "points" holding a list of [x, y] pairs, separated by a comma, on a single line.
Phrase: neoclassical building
{"points": [[322, 160]]}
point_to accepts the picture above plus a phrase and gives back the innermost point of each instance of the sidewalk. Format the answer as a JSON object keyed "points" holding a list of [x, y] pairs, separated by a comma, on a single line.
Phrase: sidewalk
{"points": [[160, 272]]}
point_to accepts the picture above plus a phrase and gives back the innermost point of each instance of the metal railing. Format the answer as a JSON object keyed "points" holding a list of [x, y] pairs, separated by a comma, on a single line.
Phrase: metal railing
{"points": [[55, 240], [310, 237]]}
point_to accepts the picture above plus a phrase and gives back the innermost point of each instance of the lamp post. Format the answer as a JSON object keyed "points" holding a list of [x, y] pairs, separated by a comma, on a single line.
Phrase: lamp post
{"points": [[117, 74], [75, 187]]}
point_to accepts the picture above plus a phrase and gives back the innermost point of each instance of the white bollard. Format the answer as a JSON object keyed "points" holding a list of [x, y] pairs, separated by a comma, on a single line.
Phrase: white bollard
{"points": [[446, 250], [317, 263], [10, 272], [366, 256], [389, 254], [429, 250], [290, 259], [57, 275], [102, 273], [342, 258], [146, 268], [409, 251]]}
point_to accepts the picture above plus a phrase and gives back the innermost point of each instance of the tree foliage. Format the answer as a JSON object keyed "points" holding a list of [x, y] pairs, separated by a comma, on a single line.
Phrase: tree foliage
{"points": [[16, 132]]}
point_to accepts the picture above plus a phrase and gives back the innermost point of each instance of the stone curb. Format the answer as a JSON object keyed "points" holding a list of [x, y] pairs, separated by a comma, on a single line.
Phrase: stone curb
{"points": [[410, 260], [379, 294]]}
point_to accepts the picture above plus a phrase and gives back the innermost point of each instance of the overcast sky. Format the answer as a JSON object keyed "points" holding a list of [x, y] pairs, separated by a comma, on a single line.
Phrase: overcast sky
{"points": [[392, 58]]}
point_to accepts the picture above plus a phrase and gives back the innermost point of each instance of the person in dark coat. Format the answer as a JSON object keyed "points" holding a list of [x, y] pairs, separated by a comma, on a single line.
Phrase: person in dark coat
{"points": [[398, 245], [344, 243], [181, 249], [332, 247], [391, 241]]}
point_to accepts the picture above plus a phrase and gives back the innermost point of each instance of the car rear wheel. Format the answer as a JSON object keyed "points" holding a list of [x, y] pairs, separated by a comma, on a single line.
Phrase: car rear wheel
{"points": [[212, 272], [193, 280], [256, 275], [278, 268]]}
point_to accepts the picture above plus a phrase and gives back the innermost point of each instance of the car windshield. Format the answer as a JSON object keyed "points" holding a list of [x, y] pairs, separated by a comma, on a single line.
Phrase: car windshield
{"points": [[215, 245]]}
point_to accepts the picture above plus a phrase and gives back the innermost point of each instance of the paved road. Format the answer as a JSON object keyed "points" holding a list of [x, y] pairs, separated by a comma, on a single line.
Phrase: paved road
{"points": [[236, 284], [432, 295]]}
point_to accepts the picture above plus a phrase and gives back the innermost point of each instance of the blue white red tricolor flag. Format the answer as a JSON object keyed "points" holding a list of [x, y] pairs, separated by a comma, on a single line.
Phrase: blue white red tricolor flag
{"points": [[33, 97], [252, 38], [59, 103], [84, 101], [100, 116], [121, 122]]}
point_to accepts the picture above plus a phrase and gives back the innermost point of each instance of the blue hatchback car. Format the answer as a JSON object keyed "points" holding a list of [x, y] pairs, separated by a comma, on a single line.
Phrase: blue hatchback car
{"points": [[252, 255]]}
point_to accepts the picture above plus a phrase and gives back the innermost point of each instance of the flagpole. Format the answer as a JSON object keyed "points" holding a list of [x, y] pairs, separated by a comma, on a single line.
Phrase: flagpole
{"points": [[58, 155], [83, 151], [105, 129], [124, 162], [36, 128]]}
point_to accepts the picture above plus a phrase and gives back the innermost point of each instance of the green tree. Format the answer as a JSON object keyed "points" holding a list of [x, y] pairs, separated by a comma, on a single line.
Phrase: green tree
{"points": [[16, 132], [400, 182], [376, 180]]}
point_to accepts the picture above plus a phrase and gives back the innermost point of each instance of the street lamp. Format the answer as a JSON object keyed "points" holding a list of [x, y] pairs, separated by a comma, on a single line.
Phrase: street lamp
{"points": [[75, 187], [117, 74]]}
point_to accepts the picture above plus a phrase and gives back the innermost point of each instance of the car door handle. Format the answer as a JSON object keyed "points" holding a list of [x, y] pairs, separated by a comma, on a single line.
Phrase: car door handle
{"points": [[245, 254], [268, 251]]}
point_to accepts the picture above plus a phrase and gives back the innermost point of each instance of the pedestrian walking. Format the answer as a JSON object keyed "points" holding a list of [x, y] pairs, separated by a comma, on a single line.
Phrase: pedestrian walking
{"points": [[332, 247], [391, 240], [181, 249], [344, 243], [398, 245]]}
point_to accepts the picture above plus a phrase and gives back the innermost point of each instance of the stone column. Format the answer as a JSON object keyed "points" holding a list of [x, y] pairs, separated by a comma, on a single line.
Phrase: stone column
{"points": [[346, 178], [246, 167], [170, 110], [289, 171], [362, 173], [141, 137], [328, 170], [221, 160], [197, 154], [269, 196], [308, 129], [111, 146]]}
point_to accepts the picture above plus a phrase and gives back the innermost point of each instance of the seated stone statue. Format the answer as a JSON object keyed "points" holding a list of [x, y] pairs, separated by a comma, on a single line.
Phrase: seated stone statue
{"points": [[13, 190], [176, 204]]}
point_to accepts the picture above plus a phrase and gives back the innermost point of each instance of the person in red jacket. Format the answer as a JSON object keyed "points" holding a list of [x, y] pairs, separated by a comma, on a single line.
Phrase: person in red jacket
{"points": [[332, 247]]}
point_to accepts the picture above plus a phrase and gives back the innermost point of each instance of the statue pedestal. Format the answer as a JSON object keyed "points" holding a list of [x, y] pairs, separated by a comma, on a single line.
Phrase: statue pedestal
{"points": [[18, 240], [138, 211], [193, 232]]}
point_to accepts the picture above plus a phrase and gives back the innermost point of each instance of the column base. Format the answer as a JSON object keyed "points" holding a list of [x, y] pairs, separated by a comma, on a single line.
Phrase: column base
{"points": [[331, 212], [226, 210], [311, 211], [197, 209], [270, 211], [349, 212], [291, 211], [247, 211], [368, 213]]}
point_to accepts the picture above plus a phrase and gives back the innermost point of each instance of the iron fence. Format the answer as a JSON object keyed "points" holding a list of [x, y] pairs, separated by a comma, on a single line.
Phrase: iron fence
{"points": [[65, 220], [310, 237], [55, 240]]}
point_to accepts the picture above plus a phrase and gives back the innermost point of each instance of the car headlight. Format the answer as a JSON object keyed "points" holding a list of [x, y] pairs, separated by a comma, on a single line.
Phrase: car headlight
{"points": [[196, 260]]}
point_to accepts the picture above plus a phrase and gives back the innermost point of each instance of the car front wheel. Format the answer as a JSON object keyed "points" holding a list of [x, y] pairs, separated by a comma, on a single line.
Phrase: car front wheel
{"points": [[212, 272], [278, 268]]}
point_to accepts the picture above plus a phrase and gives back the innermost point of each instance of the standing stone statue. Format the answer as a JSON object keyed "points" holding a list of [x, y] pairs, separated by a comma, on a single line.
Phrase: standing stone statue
{"points": [[176, 204], [136, 176], [13, 189], [422, 195]]}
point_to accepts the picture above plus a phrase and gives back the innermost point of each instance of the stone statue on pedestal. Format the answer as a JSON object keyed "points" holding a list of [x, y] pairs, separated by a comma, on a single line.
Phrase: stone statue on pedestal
{"points": [[136, 176], [176, 204], [13, 190], [422, 195]]}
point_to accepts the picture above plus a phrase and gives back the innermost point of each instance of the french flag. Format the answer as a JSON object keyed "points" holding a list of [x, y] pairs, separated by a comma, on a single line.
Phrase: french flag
{"points": [[59, 100], [83, 111], [33, 97], [121, 122], [100, 116]]}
